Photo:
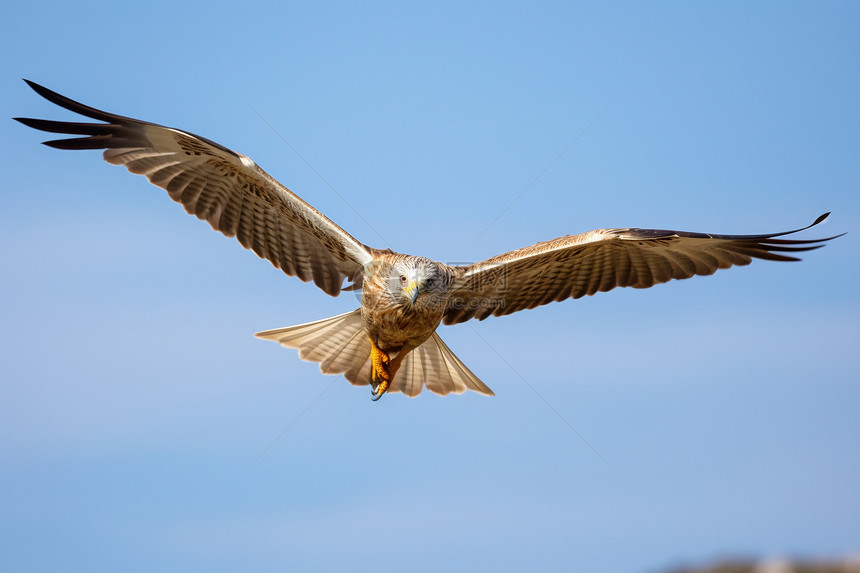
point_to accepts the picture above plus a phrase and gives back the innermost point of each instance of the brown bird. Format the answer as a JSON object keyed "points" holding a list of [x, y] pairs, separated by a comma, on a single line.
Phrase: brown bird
{"points": [[390, 342]]}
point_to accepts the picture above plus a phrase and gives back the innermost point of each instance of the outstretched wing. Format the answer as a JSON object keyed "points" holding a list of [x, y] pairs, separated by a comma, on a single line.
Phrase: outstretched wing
{"points": [[574, 266], [220, 186]]}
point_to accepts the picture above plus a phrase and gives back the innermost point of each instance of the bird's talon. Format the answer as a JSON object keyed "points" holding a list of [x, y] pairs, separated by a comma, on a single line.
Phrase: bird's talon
{"points": [[380, 372], [376, 393]]}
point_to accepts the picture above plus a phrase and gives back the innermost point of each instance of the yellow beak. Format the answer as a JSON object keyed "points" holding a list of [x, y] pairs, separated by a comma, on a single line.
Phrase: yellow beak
{"points": [[412, 291]]}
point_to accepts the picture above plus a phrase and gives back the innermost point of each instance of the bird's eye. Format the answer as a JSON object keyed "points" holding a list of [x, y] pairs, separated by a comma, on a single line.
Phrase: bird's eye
{"points": [[403, 279]]}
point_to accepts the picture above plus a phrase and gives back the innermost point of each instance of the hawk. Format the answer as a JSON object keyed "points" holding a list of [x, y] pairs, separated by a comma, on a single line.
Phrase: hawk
{"points": [[390, 341]]}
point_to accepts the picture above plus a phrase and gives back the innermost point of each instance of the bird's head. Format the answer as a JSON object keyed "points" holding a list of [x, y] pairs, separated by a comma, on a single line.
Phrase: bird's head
{"points": [[417, 277]]}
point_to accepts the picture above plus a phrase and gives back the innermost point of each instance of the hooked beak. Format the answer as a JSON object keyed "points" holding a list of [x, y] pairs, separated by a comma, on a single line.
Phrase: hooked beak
{"points": [[412, 291]]}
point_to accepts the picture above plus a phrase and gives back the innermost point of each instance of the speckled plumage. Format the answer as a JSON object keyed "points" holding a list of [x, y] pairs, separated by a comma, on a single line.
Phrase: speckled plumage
{"points": [[404, 298], [388, 316]]}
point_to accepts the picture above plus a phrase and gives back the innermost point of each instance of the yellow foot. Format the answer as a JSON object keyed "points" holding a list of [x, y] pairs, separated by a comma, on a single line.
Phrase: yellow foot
{"points": [[380, 372]]}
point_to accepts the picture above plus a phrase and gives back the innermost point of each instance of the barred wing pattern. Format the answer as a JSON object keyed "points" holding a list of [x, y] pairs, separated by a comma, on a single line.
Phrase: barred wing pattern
{"points": [[575, 266], [226, 189]]}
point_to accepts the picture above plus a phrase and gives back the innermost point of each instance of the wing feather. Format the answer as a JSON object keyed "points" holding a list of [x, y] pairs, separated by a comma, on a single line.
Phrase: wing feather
{"points": [[226, 189], [598, 261]]}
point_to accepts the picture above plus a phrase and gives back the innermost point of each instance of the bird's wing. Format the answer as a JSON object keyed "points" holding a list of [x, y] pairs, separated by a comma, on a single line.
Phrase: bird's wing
{"points": [[220, 186], [574, 266]]}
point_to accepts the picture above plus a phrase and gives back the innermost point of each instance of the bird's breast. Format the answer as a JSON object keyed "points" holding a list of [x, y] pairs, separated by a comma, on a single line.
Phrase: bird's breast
{"points": [[392, 325]]}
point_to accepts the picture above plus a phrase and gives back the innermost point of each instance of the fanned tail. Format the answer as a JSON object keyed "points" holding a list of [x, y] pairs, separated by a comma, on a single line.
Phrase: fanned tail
{"points": [[341, 346], [435, 366]]}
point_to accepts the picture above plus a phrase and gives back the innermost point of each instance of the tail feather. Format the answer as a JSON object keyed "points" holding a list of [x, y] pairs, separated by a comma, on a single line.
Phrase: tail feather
{"points": [[347, 353], [337, 343], [341, 346], [435, 366], [359, 373]]}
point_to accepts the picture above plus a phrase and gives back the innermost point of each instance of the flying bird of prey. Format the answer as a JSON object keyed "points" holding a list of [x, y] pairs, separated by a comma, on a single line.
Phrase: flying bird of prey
{"points": [[390, 341]]}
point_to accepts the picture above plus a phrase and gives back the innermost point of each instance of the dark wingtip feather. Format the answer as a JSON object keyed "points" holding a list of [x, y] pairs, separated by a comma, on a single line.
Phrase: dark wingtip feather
{"points": [[820, 219], [73, 105], [66, 126], [125, 131], [95, 142]]}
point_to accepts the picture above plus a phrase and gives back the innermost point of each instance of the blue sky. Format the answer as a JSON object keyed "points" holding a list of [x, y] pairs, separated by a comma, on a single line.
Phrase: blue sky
{"points": [[136, 403]]}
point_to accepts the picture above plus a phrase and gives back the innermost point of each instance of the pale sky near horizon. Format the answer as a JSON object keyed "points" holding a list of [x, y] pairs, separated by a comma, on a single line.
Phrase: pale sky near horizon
{"points": [[143, 428]]}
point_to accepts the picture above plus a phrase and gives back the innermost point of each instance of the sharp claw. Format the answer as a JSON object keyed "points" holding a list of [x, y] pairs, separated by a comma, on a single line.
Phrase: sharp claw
{"points": [[381, 388]]}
